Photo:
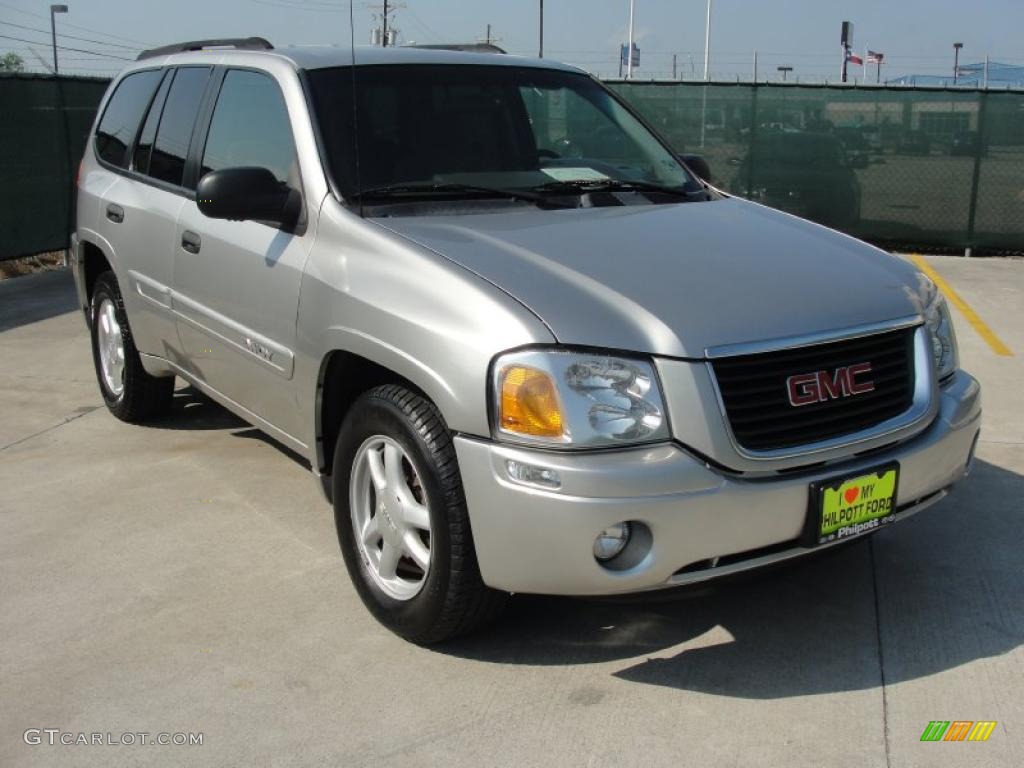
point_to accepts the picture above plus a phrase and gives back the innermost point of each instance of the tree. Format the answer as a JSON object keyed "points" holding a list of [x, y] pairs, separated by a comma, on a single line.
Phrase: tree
{"points": [[11, 62]]}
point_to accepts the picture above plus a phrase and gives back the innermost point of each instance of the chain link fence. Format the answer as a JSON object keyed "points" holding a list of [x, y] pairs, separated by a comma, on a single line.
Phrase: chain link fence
{"points": [[902, 167]]}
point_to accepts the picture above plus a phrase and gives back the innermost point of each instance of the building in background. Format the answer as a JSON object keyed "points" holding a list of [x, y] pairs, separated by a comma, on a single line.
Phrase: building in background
{"points": [[970, 76]]}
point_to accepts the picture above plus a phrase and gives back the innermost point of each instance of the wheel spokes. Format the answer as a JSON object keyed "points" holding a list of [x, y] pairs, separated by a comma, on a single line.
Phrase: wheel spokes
{"points": [[377, 475], [416, 550], [390, 517], [389, 557], [371, 531], [393, 467], [416, 515]]}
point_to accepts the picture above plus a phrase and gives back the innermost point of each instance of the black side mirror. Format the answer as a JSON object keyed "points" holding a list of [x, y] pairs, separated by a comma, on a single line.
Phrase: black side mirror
{"points": [[698, 165], [247, 194]]}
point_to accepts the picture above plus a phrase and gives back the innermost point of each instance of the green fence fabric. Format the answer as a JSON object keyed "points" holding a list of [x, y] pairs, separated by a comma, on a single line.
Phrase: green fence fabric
{"points": [[903, 167], [44, 122], [913, 167]]}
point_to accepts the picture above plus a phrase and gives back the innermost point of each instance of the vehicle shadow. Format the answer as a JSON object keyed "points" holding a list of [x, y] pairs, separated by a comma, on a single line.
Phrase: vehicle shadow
{"points": [[949, 591], [193, 410]]}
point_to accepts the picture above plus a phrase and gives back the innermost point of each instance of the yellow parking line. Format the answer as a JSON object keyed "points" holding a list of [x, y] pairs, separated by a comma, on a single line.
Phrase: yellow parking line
{"points": [[976, 322]]}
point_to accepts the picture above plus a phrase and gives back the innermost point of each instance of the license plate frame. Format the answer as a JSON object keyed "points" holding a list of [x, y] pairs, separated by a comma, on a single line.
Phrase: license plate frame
{"points": [[815, 533]]}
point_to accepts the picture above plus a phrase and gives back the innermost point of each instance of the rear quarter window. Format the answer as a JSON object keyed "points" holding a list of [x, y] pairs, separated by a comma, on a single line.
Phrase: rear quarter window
{"points": [[120, 121]]}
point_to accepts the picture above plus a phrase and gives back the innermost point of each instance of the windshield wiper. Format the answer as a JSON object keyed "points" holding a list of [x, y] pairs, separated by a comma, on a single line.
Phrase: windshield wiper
{"points": [[583, 186], [430, 190]]}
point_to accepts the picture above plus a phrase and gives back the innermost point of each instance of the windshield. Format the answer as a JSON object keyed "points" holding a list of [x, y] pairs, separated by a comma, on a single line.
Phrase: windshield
{"points": [[478, 128]]}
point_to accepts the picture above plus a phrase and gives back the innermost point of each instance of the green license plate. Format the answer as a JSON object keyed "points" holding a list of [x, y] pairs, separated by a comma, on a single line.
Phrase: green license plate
{"points": [[851, 506]]}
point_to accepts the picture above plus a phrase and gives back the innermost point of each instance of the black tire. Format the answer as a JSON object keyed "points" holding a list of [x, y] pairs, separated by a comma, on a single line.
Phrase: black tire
{"points": [[143, 396], [453, 600]]}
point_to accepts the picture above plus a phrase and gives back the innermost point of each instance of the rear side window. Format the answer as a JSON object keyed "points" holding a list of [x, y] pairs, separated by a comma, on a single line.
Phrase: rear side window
{"points": [[174, 134], [250, 127], [144, 146], [123, 114]]}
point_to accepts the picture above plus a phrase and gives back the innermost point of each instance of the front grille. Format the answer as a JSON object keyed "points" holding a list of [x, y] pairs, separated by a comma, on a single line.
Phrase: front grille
{"points": [[756, 396]]}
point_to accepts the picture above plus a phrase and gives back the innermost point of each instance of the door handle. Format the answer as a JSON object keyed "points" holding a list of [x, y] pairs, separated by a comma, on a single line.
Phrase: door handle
{"points": [[115, 213], [191, 242]]}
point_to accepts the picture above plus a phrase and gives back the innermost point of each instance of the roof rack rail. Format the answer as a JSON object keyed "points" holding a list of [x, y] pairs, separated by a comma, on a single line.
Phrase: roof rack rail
{"points": [[467, 47], [241, 43]]}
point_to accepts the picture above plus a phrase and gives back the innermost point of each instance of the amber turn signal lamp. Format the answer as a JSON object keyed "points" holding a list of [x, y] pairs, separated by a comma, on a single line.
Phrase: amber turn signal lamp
{"points": [[529, 403]]}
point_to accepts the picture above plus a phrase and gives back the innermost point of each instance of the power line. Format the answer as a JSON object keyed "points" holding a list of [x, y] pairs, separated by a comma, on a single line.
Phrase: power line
{"points": [[66, 48], [76, 26], [69, 37]]}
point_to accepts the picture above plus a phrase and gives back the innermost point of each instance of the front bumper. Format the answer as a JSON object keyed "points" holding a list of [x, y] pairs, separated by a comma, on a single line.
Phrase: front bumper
{"points": [[702, 523]]}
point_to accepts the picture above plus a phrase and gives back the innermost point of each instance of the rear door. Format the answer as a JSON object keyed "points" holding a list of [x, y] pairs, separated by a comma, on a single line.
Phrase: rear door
{"points": [[236, 283], [136, 220]]}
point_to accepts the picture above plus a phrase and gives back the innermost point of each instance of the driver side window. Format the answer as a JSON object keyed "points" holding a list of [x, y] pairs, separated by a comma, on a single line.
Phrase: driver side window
{"points": [[250, 128]]}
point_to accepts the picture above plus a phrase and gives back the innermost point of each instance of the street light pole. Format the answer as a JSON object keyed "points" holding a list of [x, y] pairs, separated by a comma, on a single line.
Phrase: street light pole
{"points": [[707, 46], [956, 60], [54, 10]]}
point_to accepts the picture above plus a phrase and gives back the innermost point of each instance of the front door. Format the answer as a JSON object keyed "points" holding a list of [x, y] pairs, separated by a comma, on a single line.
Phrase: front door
{"points": [[236, 283]]}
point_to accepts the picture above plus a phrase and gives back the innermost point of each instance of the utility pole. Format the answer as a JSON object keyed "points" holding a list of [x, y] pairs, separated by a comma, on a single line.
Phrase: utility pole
{"points": [[488, 39], [387, 31], [541, 54], [674, 66], [956, 60]]}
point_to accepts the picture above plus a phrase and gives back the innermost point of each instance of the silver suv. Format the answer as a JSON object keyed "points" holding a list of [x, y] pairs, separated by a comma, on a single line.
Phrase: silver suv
{"points": [[523, 345]]}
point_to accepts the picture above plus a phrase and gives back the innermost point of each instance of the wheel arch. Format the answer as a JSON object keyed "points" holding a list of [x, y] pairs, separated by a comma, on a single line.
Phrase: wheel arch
{"points": [[344, 375], [94, 263]]}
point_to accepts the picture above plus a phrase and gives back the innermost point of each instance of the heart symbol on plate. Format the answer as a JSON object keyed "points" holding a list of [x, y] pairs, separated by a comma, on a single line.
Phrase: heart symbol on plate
{"points": [[851, 495]]}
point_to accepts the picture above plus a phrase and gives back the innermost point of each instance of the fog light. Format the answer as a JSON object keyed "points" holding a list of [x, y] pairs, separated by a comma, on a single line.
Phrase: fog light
{"points": [[533, 475], [611, 541]]}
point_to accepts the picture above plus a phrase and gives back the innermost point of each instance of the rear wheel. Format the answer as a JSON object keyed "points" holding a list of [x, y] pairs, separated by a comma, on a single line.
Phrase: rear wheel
{"points": [[402, 522], [129, 392]]}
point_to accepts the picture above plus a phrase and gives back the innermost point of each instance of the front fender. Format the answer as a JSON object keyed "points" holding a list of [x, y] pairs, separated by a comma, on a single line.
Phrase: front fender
{"points": [[371, 292]]}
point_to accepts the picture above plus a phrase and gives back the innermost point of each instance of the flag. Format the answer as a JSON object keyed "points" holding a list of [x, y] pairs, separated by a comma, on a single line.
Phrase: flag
{"points": [[853, 58], [874, 57]]}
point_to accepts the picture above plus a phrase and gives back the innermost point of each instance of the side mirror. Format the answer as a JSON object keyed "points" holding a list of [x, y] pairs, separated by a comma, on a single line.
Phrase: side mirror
{"points": [[247, 194], [698, 165]]}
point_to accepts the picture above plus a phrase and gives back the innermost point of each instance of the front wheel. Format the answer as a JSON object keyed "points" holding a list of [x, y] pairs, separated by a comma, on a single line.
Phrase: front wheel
{"points": [[402, 521]]}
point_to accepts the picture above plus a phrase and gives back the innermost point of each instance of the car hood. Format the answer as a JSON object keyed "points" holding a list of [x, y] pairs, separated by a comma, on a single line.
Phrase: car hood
{"points": [[675, 279]]}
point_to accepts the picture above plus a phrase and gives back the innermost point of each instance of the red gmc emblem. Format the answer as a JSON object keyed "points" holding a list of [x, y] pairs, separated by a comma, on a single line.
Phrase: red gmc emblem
{"points": [[819, 387]]}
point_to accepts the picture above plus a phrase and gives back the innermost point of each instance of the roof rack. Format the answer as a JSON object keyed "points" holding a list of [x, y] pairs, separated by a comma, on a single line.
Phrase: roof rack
{"points": [[240, 43], [468, 47]]}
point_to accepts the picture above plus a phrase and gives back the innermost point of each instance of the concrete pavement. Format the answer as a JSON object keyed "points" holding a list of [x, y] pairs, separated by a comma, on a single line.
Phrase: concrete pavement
{"points": [[185, 577]]}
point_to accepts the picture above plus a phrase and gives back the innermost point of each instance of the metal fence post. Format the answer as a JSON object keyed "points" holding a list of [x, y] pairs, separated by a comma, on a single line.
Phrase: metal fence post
{"points": [[976, 176], [753, 139]]}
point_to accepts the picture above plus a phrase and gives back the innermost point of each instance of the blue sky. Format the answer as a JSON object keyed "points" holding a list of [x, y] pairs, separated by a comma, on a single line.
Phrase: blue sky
{"points": [[916, 35]]}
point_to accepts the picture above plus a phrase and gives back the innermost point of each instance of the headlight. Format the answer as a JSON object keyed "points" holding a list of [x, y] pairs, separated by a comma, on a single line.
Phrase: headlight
{"points": [[577, 399], [943, 337]]}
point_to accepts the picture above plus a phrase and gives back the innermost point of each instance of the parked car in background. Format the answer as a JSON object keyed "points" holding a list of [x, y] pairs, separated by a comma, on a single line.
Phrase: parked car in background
{"points": [[914, 142], [523, 346], [806, 174], [856, 150]]}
